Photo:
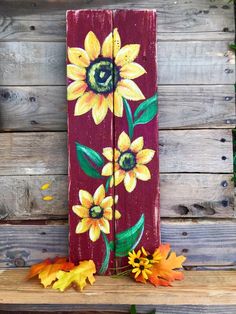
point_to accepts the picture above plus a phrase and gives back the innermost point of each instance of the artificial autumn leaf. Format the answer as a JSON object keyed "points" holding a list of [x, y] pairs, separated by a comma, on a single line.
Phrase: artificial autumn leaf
{"points": [[48, 269], [78, 276], [164, 272]]}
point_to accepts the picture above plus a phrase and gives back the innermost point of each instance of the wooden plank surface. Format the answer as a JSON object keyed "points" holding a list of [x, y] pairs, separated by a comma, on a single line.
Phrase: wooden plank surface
{"points": [[26, 108], [209, 289], [173, 17], [192, 195], [180, 151], [178, 63], [203, 242]]}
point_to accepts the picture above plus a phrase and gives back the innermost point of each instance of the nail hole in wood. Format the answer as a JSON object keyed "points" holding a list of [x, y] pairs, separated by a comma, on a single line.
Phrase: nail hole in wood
{"points": [[225, 29], [228, 98], [223, 157], [32, 99], [228, 71], [185, 251], [184, 233], [223, 140], [224, 183], [19, 262], [224, 203], [32, 27]]}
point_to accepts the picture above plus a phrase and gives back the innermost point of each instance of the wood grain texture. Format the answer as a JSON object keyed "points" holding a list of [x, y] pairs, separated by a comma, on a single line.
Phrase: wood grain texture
{"points": [[206, 290], [182, 195], [203, 242], [178, 63], [173, 17], [26, 108], [180, 151]]}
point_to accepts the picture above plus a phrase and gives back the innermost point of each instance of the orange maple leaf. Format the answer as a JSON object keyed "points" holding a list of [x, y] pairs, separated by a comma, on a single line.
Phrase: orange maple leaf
{"points": [[48, 269], [164, 272]]}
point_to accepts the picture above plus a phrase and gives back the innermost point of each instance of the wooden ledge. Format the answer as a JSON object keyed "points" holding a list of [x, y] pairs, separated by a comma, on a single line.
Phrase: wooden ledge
{"points": [[199, 289]]}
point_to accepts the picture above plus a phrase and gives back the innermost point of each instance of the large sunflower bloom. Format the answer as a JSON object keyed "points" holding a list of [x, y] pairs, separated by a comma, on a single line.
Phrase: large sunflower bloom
{"points": [[101, 73], [95, 211], [128, 162]]}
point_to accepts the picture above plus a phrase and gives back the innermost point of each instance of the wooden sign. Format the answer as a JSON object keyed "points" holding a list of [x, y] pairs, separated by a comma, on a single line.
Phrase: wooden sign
{"points": [[112, 135]]}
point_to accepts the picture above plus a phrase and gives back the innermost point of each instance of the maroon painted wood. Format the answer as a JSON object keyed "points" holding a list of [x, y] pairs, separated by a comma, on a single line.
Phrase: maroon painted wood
{"points": [[114, 68]]}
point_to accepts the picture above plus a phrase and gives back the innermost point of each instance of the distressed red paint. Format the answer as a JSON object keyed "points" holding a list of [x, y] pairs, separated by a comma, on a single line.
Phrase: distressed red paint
{"points": [[134, 27]]}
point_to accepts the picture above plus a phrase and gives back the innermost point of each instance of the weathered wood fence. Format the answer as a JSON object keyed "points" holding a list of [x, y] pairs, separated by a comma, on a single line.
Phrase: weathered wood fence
{"points": [[197, 112]]}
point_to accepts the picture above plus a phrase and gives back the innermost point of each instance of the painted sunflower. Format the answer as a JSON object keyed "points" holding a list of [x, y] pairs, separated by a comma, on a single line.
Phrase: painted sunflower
{"points": [[101, 73], [127, 162], [95, 211]]}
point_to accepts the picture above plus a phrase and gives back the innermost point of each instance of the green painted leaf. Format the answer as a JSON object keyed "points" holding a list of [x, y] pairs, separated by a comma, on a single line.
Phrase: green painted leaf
{"points": [[146, 111], [108, 183], [129, 117], [105, 262], [133, 309], [89, 159], [127, 240]]}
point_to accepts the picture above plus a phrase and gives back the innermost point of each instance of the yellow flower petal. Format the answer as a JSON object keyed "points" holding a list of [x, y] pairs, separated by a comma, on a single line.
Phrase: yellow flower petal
{"points": [[85, 198], [144, 156], [129, 90], [81, 211], [75, 73], [78, 57], [107, 46], [123, 142], [117, 214], [92, 45], [137, 273], [116, 154], [108, 153], [118, 105], [83, 225], [116, 42], [104, 225], [99, 195], [107, 170], [94, 232], [119, 176], [142, 172], [132, 70], [108, 213], [107, 202], [130, 181], [84, 103], [137, 145], [127, 54], [76, 89], [100, 108]]}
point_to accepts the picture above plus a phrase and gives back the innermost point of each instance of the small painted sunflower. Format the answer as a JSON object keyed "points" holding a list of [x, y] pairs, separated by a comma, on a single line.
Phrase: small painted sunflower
{"points": [[142, 268], [95, 211], [101, 73], [129, 162], [134, 258], [152, 258]]}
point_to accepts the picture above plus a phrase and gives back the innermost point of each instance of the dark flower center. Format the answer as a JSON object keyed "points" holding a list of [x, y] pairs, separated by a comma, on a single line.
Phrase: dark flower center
{"points": [[102, 75], [136, 260], [150, 257], [96, 212], [127, 160], [141, 267]]}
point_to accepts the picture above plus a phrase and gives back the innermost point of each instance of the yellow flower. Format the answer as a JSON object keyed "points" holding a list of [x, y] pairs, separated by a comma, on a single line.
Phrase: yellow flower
{"points": [[134, 258], [127, 162], [142, 269], [101, 73], [152, 258], [95, 211]]}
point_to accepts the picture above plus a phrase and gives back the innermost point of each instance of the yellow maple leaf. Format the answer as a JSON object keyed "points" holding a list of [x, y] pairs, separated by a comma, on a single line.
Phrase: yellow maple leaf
{"points": [[164, 272], [77, 276]]}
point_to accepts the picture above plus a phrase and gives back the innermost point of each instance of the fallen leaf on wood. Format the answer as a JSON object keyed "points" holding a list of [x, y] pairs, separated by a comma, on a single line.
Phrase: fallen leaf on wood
{"points": [[77, 276]]}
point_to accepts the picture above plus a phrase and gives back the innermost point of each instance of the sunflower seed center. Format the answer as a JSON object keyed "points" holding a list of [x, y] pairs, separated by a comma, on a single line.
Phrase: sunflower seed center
{"points": [[127, 161], [96, 212]]}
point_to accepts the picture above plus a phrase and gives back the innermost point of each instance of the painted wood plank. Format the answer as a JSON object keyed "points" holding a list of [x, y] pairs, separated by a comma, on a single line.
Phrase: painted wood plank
{"points": [[180, 151], [25, 108], [88, 132], [135, 176], [192, 62], [192, 195], [208, 290], [203, 242], [177, 17]]}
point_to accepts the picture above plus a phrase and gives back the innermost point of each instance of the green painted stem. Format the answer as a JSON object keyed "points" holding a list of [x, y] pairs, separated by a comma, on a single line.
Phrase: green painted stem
{"points": [[129, 117], [105, 262]]}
